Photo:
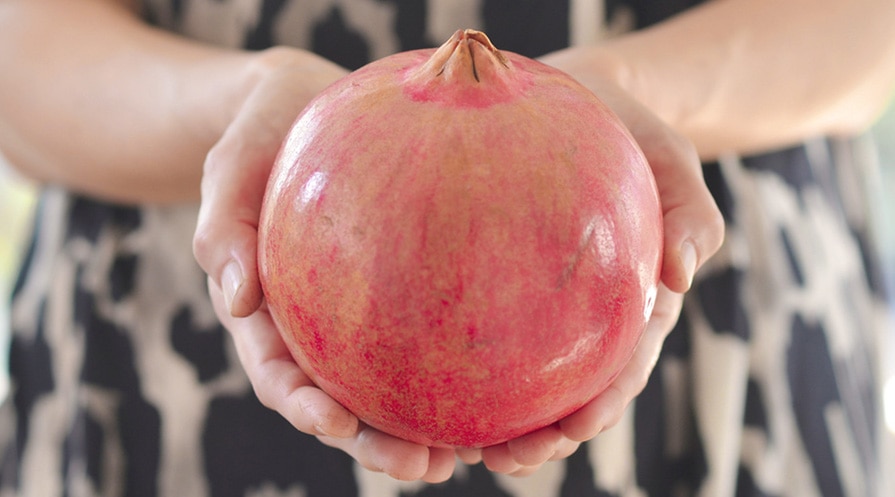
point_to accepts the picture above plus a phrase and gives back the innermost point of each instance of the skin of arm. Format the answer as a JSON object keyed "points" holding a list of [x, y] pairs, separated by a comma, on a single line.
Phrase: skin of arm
{"points": [[102, 110], [96, 100], [750, 75]]}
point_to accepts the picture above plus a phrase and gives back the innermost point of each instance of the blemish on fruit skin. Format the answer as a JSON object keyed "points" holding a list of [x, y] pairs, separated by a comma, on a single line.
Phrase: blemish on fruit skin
{"points": [[471, 335]]}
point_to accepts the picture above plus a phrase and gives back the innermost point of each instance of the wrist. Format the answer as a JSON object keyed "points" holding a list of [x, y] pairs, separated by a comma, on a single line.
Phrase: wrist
{"points": [[244, 82]]}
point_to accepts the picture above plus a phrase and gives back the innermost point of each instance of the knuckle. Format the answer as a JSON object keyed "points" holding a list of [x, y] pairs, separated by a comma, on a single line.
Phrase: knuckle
{"points": [[679, 146], [715, 228], [686, 147], [264, 397], [273, 59], [215, 157], [640, 384], [203, 245]]}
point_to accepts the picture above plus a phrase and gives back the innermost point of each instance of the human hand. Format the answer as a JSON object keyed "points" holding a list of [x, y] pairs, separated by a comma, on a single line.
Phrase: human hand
{"points": [[694, 230], [225, 246], [233, 184]]}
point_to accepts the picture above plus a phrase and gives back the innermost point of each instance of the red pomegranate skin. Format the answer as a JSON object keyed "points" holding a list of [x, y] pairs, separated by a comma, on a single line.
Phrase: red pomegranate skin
{"points": [[460, 245]]}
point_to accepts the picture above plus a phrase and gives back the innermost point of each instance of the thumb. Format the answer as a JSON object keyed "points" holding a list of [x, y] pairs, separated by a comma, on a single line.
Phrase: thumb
{"points": [[225, 242], [694, 227]]}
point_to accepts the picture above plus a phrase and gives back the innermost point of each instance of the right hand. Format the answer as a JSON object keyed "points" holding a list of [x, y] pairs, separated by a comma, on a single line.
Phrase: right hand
{"points": [[239, 164], [225, 245]]}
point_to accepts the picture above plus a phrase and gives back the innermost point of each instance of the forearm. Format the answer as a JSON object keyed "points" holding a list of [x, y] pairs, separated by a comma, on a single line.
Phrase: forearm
{"points": [[748, 75], [93, 99]]}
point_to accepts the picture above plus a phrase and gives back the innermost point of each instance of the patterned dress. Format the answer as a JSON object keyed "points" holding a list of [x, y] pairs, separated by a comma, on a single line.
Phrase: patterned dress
{"points": [[124, 384]]}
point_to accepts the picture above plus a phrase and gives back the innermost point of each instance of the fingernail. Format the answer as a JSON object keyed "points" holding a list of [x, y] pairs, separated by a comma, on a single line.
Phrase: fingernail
{"points": [[231, 281], [688, 261]]}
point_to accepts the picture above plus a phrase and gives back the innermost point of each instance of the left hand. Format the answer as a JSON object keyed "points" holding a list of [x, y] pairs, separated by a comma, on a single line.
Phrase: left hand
{"points": [[694, 230]]}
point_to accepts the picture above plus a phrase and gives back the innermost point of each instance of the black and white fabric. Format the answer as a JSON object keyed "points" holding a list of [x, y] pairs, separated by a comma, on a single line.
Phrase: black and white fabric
{"points": [[124, 384]]}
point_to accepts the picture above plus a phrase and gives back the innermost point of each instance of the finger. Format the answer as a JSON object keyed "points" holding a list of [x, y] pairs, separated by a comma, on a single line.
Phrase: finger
{"points": [[384, 453], [277, 380], [694, 231], [565, 448], [469, 456], [694, 227], [609, 406], [525, 471], [226, 237], [499, 459], [536, 447], [441, 465]]}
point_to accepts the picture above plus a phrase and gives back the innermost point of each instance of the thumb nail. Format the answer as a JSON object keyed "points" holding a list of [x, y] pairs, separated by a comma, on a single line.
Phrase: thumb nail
{"points": [[688, 261], [231, 281]]}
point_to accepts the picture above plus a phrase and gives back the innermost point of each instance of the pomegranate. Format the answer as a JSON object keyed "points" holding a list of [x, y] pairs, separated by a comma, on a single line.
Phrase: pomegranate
{"points": [[460, 245]]}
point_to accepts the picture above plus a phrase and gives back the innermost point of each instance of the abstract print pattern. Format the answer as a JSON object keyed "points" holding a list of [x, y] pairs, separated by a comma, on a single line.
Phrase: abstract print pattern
{"points": [[124, 384]]}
